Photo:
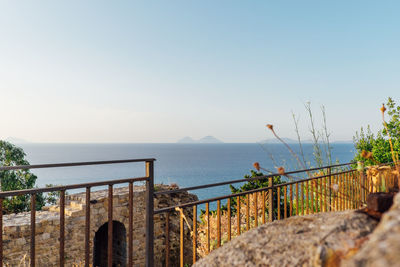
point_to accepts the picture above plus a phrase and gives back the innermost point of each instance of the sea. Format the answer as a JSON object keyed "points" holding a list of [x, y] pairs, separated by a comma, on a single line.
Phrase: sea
{"points": [[181, 164]]}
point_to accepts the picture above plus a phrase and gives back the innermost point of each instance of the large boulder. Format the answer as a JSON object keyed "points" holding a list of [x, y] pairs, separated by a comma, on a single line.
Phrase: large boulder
{"points": [[314, 240], [383, 246]]}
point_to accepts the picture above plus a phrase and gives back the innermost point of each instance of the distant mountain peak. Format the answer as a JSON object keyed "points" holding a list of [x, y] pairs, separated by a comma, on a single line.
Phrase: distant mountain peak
{"points": [[205, 140]]}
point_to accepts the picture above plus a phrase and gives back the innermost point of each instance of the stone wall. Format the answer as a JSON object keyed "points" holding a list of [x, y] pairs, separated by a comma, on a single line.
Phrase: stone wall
{"points": [[16, 228]]}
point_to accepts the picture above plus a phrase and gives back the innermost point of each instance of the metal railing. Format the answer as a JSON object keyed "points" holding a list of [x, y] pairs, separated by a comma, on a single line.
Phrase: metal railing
{"points": [[329, 188], [149, 232]]}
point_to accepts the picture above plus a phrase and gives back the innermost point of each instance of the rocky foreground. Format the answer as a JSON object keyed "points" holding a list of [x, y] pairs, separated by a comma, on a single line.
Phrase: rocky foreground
{"points": [[348, 238]]}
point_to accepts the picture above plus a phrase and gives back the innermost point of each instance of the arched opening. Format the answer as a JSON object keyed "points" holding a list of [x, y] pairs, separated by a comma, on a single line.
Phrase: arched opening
{"points": [[101, 244]]}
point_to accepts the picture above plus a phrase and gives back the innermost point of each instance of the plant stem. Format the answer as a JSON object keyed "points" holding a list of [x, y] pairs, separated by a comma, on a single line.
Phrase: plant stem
{"points": [[296, 125], [317, 149]]}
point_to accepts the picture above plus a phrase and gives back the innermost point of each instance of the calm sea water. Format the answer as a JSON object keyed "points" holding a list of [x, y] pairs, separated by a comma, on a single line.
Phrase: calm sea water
{"points": [[183, 164]]}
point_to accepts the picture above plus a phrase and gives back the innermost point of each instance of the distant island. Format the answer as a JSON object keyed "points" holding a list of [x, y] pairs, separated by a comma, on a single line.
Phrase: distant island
{"points": [[205, 140]]}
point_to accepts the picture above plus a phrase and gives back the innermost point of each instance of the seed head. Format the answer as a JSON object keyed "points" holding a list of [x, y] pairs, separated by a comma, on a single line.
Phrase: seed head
{"points": [[281, 170], [256, 166], [383, 109], [367, 154], [364, 154], [270, 126]]}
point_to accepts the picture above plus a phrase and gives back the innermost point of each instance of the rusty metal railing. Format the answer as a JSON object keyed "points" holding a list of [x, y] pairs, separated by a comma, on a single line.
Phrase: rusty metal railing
{"points": [[329, 188], [149, 199]]}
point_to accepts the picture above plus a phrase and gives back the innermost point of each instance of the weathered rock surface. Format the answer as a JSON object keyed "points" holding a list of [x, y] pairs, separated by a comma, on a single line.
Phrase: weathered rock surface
{"points": [[383, 246], [313, 240]]}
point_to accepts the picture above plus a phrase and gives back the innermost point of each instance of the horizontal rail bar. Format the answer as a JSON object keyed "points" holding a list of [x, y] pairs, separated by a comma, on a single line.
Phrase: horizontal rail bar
{"points": [[208, 185], [239, 194], [68, 187], [245, 180], [72, 164]]}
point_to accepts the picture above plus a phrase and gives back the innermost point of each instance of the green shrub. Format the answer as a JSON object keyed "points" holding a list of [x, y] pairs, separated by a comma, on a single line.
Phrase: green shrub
{"points": [[378, 143]]}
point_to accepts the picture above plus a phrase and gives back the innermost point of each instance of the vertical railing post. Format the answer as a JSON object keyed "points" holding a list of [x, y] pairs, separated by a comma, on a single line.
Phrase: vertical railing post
{"points": [[247, 212], [307, 197], [330, 188], [218, 223], [297, 199], [285, 202], [195, 232], [229, 219], [255, 210], [110, 227], [302, 199], [291, 200], [150, 214], [271, 199], [208, 226], [237, 216], [278, 204], [263, 206], [130, 234], [33, 229], [62, 227], [87, 228], [360, 168], [167, 240], [181, 238]]}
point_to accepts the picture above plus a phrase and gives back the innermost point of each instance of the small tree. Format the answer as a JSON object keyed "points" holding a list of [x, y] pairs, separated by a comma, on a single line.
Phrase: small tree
{"points": [[10, 155], [259, 183]]}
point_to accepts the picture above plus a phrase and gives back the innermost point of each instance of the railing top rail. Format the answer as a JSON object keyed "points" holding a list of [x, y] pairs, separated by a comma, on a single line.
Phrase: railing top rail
{"points": [[72, 164], [69, 187], [189, 204], [248, 179]]}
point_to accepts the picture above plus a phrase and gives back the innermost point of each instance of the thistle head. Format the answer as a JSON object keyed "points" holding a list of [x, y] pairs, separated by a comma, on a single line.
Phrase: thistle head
{"points": [[281, 171], [270, 126], [367, 154], [383, 109], [174, 185], [364, 154], [256, 166]]}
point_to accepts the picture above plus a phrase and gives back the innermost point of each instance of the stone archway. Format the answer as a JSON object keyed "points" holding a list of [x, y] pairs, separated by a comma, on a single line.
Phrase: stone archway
{"points": [[119, 245]]}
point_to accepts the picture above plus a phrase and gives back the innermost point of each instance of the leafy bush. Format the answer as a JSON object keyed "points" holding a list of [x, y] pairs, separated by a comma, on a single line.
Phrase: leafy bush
{"points": [[379, 144], [259, 183], [10, 155], [250, 185]]}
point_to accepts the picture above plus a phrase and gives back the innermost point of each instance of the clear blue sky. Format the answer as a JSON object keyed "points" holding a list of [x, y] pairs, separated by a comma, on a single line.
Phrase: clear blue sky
{"points": [[156, 71]]}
